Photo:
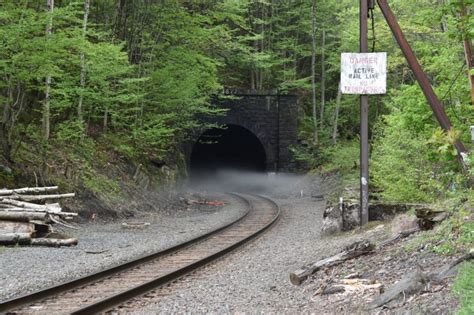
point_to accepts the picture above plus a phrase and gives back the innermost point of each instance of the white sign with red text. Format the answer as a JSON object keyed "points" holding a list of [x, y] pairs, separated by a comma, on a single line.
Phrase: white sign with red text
{"points": [[364, 73]]}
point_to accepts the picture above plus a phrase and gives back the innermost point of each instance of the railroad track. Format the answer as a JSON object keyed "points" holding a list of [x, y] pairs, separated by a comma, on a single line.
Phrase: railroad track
{"points": [[112, 287]]}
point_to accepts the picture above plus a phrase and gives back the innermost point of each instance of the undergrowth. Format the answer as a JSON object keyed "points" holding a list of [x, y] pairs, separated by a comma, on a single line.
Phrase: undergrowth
{"points": [[464, 288]]}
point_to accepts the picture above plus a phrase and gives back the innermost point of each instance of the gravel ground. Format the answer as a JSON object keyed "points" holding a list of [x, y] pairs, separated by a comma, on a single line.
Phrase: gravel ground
{"points": [[255, 279], [27, 269]]}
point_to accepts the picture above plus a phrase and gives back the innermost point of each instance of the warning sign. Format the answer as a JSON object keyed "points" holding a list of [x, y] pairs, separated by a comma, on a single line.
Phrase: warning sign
{"points": [[364, 73]]}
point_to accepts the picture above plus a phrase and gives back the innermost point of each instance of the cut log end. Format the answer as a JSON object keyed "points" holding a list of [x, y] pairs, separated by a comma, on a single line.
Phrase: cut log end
{"points": [[25, 219], [296, 279]]}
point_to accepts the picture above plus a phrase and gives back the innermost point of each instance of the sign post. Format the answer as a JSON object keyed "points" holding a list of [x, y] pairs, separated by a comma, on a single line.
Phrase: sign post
{"points": [[364, 73], [364, 123]]}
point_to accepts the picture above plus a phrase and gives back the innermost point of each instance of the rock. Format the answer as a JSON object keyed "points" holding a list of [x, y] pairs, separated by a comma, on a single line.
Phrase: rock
{"points": [[386, 211], [344, 217], [403, 222], [332, 220], [350, 216]]}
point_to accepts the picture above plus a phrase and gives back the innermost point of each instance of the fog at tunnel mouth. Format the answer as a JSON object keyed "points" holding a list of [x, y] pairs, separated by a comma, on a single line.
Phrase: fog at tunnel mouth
{"points": [[230, 148]]}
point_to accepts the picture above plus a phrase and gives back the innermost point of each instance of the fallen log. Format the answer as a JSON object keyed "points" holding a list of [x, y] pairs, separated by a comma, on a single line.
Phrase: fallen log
{"points": [[37, 197], [417, 281], [450, 270], [15, 238], [53, 242], [352, 251], [60, 214], [4, 192], [400, 235], [7, 227], [51, 207], [408, 285], [23, 216]]}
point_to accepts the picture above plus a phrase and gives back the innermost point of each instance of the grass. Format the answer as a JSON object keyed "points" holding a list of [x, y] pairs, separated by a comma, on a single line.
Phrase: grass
{"points": [[453, 236], [464, 288]]}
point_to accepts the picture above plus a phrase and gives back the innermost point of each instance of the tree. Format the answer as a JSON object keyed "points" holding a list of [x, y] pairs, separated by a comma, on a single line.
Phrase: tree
{"points": [[46, 107], [313, 69], [83, 61]]}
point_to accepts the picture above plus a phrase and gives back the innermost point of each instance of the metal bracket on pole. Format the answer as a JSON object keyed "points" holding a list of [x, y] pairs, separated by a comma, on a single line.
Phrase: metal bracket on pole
{"points": [[371, 4]]}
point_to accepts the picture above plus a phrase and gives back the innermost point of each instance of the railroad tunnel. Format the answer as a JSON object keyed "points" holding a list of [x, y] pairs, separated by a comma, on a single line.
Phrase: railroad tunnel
{"points": [[229, 148]]}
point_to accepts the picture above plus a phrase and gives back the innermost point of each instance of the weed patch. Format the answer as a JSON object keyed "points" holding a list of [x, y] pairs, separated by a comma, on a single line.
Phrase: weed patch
{"points": [[464, 288]]}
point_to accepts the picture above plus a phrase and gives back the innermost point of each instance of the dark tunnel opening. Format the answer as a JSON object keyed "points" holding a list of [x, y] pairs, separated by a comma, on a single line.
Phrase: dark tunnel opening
{"points": [[230, 148]]}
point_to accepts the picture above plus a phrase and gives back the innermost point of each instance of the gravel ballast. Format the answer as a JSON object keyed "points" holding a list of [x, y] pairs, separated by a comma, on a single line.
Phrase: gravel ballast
{"points": [[102, 245], [256, 278]]}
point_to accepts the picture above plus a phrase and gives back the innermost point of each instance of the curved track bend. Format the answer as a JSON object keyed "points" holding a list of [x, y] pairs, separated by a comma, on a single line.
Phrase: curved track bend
{"points": [[104, 290]]}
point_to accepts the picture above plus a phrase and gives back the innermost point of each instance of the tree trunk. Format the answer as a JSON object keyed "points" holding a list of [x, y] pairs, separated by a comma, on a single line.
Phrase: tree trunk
{"points": [[5, 145], [313, 70], [468, 51], [83, 60], [323, 80], [262, 44], [336, 113], [470, 65], [46, 106], [106, 119], [443, 24]]}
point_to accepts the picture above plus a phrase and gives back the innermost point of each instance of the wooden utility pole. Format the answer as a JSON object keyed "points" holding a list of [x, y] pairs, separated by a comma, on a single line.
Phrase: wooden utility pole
{"points": [[421, 77], [364, 122]]}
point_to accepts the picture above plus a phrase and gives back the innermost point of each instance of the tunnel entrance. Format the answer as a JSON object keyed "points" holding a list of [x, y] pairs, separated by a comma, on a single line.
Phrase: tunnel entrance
{"points": [[231, 148]]}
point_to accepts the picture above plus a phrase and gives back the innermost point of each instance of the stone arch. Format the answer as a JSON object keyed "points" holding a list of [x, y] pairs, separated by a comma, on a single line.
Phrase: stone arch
{"points": [[270, 116], [231, 147]]}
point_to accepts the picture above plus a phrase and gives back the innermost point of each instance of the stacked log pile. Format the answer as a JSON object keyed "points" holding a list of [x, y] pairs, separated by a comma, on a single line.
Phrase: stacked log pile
{"points": [[27, 216]]}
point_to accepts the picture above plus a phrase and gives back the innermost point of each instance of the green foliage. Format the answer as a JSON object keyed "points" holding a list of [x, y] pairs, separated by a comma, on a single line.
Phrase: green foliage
{"points": [[344, 157], [101, 185], [151, 69], [310, 155], [399, 168], [464, 288]]}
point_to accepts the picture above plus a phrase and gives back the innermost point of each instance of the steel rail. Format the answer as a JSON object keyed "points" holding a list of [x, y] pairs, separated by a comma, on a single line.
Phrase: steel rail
{"points": [[119, 298], [26, 299], [116, 300]]}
